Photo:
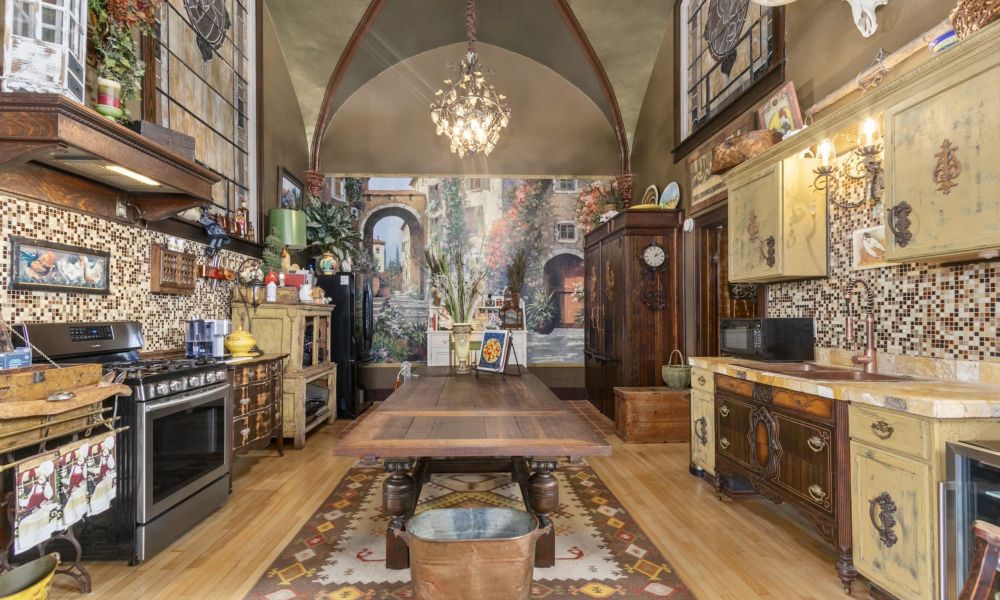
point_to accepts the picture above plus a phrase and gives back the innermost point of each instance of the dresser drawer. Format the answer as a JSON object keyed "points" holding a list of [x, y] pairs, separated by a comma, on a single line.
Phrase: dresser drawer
{"points": [[737, 386], [890, 430], [438, 341], [703, 380], [806, 462], [252, 428], [806, 403], [732, 421]]}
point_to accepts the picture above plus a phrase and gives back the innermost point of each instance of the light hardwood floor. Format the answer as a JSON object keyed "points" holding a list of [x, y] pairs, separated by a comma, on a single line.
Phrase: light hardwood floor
{"points": [[745, 550]]}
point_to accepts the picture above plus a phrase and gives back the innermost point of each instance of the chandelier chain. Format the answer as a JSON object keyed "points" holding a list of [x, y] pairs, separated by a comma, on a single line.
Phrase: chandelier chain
{"points": [[470, 24]]}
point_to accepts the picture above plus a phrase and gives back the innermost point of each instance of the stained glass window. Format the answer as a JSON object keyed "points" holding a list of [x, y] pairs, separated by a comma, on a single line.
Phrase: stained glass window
{"points": [[708, 84]]}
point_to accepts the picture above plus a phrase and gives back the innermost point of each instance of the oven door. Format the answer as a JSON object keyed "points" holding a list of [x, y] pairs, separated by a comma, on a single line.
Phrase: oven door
{"points": [[738, 337], [183, 446]]}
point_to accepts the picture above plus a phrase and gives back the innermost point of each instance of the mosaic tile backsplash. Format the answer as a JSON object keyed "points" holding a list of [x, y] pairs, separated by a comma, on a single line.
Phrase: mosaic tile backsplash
{"points": [[921, 310], [162, 315]]}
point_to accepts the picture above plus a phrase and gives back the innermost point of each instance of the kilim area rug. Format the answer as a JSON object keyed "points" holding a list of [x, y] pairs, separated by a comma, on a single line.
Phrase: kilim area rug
{"points": [[340, 553]]}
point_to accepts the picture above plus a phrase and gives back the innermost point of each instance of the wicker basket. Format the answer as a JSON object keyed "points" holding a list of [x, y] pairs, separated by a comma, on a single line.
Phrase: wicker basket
{"points": [[677, 377], [741, 148], [969, 16]]}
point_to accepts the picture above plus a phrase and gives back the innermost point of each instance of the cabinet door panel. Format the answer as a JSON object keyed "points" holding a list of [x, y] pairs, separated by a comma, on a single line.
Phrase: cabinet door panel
{"points": [[941, 155], [892, 493], [805, 467], [732, 420], [754, 217], [703, 430]]}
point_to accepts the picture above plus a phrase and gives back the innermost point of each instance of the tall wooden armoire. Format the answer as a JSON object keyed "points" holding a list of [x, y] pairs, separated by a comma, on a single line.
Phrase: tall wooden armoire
{"points": [[634, 304]]}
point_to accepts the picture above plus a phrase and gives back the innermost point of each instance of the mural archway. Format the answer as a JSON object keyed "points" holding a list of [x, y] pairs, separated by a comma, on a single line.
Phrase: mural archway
{"points": [[562, 273], [417, 239]]}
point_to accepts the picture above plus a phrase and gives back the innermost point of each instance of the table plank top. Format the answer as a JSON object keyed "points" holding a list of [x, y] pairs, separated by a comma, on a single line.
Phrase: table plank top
{"points": [[440, 414]]}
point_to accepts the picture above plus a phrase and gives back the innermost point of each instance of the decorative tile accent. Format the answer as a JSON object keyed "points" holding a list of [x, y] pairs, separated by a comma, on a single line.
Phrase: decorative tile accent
{"points": [[162, 315], [922, 311]]}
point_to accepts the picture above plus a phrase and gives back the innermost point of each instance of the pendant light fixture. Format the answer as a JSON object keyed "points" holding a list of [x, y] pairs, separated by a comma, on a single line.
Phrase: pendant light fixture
{"points": [[469, 111]]}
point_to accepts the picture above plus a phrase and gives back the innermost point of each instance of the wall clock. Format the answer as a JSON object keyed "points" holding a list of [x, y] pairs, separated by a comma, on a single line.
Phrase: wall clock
{"points": [[653, 292], [722, 30]]}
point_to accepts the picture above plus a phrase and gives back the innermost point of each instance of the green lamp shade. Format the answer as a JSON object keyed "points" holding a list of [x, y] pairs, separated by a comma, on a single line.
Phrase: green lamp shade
{"points": [[290, 226]]}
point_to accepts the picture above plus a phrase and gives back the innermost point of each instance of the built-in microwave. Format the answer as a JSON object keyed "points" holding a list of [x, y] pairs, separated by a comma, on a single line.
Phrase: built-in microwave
{"points": [[769, 340]]}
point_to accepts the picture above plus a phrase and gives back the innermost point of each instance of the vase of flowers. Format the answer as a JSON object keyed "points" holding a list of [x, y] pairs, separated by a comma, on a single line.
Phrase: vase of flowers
{"points": [[460, 284]]}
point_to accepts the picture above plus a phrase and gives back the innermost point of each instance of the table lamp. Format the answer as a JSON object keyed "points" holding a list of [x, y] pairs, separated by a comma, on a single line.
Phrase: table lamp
{"points": [[290, 227]]}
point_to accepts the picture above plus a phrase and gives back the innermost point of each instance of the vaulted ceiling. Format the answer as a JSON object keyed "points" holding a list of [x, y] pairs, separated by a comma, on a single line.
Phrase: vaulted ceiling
{"points": [[625, 35]]}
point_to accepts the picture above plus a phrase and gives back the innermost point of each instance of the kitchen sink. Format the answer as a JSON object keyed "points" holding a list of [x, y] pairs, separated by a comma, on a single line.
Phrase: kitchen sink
{"points": [[827, 373], [794, 368]]}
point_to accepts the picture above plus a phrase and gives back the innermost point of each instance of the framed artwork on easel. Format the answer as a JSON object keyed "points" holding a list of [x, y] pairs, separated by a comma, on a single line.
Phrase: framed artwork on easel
{"points": [[495, 352]]}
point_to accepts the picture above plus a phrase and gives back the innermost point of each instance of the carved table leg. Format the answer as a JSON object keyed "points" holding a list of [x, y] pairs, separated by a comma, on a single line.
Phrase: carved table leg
{"points": [[543, 489], [397, 500], [719, 479]]}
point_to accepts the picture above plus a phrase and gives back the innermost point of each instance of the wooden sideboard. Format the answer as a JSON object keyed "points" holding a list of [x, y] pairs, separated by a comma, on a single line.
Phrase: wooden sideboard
{"points": [[301, 333], [624, 295], [793, 448], [257, 404]]}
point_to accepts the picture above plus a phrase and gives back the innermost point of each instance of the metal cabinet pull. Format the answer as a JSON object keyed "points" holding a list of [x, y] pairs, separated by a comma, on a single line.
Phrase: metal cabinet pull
{"points": [[724, 443], [817, 493], [886, 508], [701, 431], [701, 380], [245, 432], [816, 444], [724, 410], [882, 430], [245, 401]]}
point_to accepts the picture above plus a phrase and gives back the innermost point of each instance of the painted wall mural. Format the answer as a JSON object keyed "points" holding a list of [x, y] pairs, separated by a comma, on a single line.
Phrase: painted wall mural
{"points": [[489, 219]]}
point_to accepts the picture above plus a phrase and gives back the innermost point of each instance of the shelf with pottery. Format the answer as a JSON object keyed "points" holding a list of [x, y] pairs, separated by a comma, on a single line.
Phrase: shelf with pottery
{"points": [[890, 469], [939, 176], [439, 348]]}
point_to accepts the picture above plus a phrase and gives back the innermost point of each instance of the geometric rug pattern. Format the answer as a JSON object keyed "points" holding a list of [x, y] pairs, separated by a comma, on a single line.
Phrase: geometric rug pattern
{"points": [[340, 552]]}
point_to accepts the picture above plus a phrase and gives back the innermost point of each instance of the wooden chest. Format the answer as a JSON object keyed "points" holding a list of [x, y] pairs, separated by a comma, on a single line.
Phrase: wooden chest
{"points": [[652, 414], [257, 394]]}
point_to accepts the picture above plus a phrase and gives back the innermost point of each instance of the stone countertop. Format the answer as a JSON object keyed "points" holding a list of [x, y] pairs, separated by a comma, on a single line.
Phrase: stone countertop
{"points": [[935, 398]]}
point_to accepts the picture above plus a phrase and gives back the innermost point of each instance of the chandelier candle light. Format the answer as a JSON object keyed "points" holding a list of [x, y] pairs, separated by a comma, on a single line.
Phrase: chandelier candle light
{"points": [[469, 111]]}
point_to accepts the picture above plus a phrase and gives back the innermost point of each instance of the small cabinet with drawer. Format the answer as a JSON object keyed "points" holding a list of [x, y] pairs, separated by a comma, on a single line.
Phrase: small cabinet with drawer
{"points": [[257, 400], [792, 448], [777, 229], [703, 420]]}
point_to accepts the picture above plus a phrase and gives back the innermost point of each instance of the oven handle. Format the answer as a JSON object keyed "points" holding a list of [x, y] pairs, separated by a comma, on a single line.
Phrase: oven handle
{"points": [[155, 406]]}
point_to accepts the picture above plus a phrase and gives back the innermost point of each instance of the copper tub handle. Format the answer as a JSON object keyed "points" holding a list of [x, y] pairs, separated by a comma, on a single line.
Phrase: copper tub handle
{"points": [[405, 537]]}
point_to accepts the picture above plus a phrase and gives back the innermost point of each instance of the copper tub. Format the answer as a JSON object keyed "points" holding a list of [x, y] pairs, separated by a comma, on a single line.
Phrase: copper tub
{"points": [[465, 553]]}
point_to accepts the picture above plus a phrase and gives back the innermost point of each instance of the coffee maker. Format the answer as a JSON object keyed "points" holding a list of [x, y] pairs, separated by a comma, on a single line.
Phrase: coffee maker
{"points": [[206, 338]]}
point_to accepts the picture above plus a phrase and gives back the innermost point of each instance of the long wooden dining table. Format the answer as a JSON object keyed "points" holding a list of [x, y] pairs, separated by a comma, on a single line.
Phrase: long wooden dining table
{"points": [[441, 422]]}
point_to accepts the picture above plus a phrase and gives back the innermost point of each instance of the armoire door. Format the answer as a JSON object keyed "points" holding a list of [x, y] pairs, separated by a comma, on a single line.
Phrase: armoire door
{"points": [[614, 293], [593, 365]]}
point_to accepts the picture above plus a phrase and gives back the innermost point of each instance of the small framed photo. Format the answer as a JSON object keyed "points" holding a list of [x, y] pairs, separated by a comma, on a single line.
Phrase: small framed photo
{"points": [[495, 352], [289, 190], [782, 112], [42, 266], [869, 249]]}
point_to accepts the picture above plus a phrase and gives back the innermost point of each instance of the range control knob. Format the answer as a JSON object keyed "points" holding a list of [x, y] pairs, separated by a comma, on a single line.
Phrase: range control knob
{"points": [[176, 385], [162, 388], [220, 375], [193, 381], [210, 378]]}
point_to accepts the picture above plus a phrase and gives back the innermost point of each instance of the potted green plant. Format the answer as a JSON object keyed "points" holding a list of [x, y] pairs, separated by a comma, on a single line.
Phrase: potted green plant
{"points": [[515, 276], [541, 312], [116, 58], [460, 284], [330, 232]]}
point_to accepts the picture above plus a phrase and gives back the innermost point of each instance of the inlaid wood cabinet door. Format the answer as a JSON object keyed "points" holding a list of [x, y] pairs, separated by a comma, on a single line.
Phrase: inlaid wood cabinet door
{"points": [[942, 185], [893, 522], [755, 222]]}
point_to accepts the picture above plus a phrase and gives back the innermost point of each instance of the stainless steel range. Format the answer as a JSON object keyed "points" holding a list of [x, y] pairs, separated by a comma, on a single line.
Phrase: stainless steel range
{"points": [[174, 459]]}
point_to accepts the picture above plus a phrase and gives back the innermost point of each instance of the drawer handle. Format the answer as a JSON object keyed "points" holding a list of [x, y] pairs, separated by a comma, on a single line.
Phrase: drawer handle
{"points": [[724, 410], [701, 431], [724, 443], [816, 444], [245, 401], [245, 432], [817, 493], [701, 380], [886, 518], [882, 430]]}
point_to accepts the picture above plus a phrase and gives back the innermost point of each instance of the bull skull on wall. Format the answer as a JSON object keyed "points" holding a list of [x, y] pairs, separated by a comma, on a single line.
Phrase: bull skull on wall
{"points": [[864, 14]]}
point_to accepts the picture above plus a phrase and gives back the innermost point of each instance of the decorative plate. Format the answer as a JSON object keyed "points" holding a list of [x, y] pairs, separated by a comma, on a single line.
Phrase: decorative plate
{"points": [[649, 199], [671, 196]]}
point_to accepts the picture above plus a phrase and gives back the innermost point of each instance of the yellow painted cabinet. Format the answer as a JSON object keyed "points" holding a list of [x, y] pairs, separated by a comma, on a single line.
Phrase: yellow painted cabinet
{"points": [[703, 430], [942, 187], [777, 227], [893, 522]]}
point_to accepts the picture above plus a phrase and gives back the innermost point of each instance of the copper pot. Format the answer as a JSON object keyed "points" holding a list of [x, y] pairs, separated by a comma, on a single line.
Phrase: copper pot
{"points": [[463, 553]]}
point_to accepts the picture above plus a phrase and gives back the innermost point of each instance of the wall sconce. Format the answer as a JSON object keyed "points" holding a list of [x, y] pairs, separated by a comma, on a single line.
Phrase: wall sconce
{"points": [[250, 278], [864, 164], [826, 174]]}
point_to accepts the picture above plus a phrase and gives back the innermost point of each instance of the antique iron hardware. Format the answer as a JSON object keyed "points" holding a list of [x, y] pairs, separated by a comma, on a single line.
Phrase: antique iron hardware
{"points": [[886, 518], [882, 430], [898, 220], [947, 169]]}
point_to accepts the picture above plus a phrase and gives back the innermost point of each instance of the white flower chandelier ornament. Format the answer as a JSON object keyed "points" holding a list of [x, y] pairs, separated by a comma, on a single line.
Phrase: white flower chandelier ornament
{"points": [[470, 112]]}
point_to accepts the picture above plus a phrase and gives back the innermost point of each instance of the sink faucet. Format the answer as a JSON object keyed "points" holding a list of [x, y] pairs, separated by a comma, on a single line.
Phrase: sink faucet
{"points": [[870, 358]]}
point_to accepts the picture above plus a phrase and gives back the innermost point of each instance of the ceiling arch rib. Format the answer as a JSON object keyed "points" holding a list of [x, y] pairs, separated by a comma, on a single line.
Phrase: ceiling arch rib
{"points": [[384, 127]]}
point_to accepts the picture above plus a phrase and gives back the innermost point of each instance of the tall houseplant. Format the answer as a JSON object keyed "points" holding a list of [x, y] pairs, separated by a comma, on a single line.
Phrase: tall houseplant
{"points": [[515, 275], [116, 56], [330, 232], [461, 285]]}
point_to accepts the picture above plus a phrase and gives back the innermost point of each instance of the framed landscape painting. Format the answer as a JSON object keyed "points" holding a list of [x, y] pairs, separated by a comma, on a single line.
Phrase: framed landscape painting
{"points": [[42, 266], [289, 190]]}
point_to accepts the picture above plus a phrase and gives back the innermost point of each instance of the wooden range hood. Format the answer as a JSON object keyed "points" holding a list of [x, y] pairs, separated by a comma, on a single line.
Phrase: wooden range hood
{"points": [[56, 151]]}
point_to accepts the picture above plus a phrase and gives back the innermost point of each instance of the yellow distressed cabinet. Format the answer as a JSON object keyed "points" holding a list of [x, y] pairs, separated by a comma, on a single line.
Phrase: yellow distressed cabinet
{"points": [[897, 462], [777, 227], [942, 186], [703, 420]]}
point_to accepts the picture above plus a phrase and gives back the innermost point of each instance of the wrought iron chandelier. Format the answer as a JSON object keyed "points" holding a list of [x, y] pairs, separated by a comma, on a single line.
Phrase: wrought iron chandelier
{"points": [[470, 112]]}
